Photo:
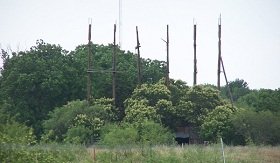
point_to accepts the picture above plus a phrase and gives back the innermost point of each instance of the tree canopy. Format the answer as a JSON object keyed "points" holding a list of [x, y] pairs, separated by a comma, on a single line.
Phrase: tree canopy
{"points": [[44, 88], [36, 81]]}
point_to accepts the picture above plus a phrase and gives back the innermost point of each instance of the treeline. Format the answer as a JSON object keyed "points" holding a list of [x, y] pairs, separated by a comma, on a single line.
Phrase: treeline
{"points": [[43, 91], [34, 82]]}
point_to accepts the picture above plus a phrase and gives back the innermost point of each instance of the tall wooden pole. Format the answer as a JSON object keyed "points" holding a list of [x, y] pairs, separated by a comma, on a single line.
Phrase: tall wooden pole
{"points": [[138, 58], [167, 57], [219, 55], [194, 53], [89, 77], [221, 63], [114, 68]]}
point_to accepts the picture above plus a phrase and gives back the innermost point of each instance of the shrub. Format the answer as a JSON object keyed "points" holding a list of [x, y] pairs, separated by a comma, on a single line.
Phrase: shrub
{"points": [[146, 133], [15, 133], [152, 133], [119, 135], [258, 127], [64, 121], [78, 135]]}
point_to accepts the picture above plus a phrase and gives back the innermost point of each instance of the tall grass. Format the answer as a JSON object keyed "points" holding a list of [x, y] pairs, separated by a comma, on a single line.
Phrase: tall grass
{"points": [[51, 153], [190, 153]]}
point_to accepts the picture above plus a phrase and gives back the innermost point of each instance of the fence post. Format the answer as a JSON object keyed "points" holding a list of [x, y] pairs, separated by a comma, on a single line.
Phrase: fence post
{"points": [[223, 152]]}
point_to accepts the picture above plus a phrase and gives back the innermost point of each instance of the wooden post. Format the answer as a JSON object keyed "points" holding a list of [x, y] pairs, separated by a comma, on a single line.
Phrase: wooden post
{"points": [[89, 77], [219, 55], [94, 155], [223, 151], [167, 57], [194, 53], [139, 76], [114, 68]]}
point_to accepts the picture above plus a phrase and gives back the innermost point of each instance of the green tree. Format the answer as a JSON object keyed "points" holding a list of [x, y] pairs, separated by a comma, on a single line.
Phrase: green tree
{"points": [[261, 100], [183, 114], [153, 70], [199, 101], [151, 92], [143, 103], [178, 89], [218, 124], [138, 111], [36, 81], [126, 65], [238, 88], [155, 100], [70, 120], [257, 127]]}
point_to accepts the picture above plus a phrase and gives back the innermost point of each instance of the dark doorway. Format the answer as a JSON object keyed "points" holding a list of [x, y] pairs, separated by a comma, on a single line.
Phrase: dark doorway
{"points": [[181, 141]]}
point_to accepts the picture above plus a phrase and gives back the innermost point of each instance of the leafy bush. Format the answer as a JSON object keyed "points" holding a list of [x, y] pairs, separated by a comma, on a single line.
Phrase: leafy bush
{"points": [[152, 133], [78, 135], [70, 121], [15, 133], [257, 127], [119, 135], [138, 111], [217, 124], [146, 133]]}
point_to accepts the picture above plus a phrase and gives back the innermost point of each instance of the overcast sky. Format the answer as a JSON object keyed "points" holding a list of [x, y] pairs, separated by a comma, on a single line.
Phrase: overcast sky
{"points": [[250, 32]]}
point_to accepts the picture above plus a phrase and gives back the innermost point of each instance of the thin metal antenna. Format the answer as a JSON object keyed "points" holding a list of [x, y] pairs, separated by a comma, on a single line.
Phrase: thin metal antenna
{"points": [[219, 54], [138, 57], [114, 68], [89, 78], [194, 53], [220, 19]]}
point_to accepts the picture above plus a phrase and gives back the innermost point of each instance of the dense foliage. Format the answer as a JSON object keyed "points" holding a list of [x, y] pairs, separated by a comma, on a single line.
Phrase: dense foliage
{"points": [[78, 122], [257, 127], [42, 100], [35, 82], [127, 134]]}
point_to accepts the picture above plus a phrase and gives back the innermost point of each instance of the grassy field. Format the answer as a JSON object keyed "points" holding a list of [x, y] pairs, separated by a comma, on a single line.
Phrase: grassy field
{"points": [[158, 154], [191, 153], [47, 153]]}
